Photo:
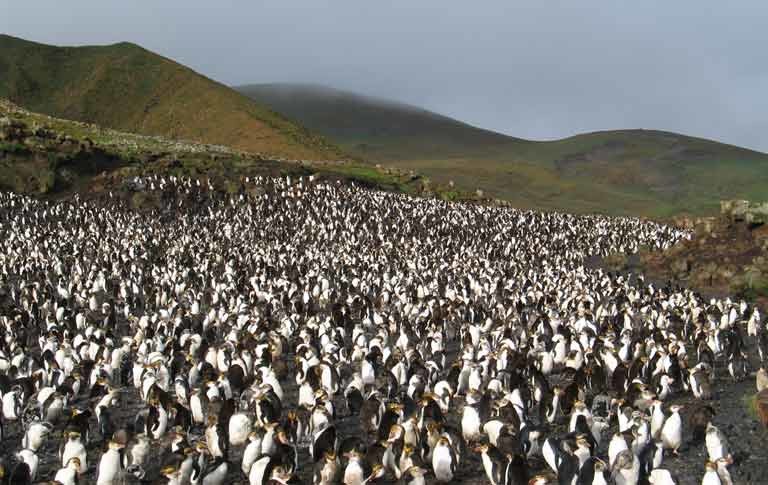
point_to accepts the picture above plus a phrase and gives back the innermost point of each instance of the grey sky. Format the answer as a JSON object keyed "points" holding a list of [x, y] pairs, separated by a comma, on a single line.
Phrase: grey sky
{"points": [[534, 69]]}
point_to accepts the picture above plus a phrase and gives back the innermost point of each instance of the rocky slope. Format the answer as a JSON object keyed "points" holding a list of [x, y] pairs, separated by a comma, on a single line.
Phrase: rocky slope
{"points": [[44, 155], [726, 255]]}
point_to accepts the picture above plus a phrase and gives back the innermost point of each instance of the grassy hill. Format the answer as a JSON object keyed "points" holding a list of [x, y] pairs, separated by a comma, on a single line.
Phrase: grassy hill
{"points": [[126, 87], [375, 128], [640, 172]]}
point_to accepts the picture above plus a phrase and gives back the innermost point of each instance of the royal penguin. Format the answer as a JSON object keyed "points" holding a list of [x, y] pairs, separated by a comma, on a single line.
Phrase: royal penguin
{"points": [[593, 472], [672, 431], [327, 471], [494, 463], [111, 465], [68, 474], [444, 463], [73, 447]]}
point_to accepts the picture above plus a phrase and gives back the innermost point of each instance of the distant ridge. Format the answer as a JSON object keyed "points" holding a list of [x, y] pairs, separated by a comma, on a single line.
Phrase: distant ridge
{"points": [[635, 172], [373, 127], [126, 87]]}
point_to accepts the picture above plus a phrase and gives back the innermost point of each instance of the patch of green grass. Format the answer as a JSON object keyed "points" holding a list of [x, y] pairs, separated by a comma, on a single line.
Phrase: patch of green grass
{"points": [[12, 148], [754, 290], [750, 404], [367, 175]]}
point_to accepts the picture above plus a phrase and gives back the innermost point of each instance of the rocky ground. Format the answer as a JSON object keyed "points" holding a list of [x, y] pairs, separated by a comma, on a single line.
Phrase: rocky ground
{"points": [[727, 255]]}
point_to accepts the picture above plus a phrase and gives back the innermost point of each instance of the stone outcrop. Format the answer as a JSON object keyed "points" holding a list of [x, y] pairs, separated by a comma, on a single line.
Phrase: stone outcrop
{"points": [[745, 211], [726, 254]]}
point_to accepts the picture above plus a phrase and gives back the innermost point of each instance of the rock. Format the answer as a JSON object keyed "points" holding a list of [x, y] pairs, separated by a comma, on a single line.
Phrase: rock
{"points": [[744, 211], [704, 226], [680, 267], [757, 214]]}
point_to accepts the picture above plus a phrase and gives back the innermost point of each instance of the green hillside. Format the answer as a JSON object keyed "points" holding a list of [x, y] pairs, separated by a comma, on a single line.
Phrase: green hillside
{"points": [[375, 128], [126, 87], [54, 157], [640, 172]]}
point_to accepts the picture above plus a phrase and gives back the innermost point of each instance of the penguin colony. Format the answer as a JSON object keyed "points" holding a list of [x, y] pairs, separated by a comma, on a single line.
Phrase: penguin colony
{"points": [[325, 333]]}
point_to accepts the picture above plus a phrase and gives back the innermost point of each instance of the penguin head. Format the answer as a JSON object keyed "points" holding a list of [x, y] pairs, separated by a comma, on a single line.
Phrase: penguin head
{"points": [[329, 456], [377, 470], [74, 463], [114, 445], [417, 471], [724, 461], [169, 470], [600, 466], [583, 442], [396, 432]]}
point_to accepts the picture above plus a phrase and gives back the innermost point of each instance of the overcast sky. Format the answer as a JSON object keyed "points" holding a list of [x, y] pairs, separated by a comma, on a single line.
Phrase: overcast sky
{"points": [[534, 69]]}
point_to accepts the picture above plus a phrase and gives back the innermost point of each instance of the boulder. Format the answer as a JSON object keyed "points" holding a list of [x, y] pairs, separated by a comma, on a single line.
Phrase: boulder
{"points": [[757, 214], [680, 267], [744, 211], [734, 209], [760, 236]]}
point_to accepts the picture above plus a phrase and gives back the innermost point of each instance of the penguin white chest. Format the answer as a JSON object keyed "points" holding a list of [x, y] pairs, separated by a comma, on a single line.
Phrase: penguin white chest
{"points": [[470, 424], [442, 463], [109, 467]]}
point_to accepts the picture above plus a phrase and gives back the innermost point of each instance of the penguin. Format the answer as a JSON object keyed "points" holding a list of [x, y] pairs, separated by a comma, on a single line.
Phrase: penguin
{"points": [[471, 420], [214, 472], [239, 428], [104, 419], [593, 472], [369, 415], [626, 469], [111, 465], [252, 451], [661, 476], [672, 431], [723, 472], [323, 442], [327, 470], [711, 476], [198, 404], [139, 449], [444, 464], [261, 470], [36, 434], [414, 475], [716, 444], [79, 422], [216, 440], [359, 471], [31, 460], [617, 444], [494, 463], [69, 473], [651, 457], [72, 448], [354, 400]]}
